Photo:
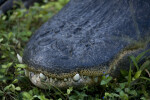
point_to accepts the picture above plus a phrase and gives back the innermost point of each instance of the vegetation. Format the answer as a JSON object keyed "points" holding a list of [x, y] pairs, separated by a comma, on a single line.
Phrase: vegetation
{"points": [[15, 30]]}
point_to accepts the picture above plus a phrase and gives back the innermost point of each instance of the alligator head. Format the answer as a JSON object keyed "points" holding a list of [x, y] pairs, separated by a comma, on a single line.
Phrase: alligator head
{"points": [[85, 39]]}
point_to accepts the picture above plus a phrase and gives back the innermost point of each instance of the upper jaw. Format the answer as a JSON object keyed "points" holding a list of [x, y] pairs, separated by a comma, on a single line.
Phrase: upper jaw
{"points": [[45, 82]]}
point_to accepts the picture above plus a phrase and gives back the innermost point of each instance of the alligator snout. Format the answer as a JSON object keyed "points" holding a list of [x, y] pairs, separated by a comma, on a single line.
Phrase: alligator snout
{"points": [[85, 39]]}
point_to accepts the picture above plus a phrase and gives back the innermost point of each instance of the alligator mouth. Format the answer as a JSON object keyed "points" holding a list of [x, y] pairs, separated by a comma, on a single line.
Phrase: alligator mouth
{"points": [[77, 80], [73, 41], [44, 79]]}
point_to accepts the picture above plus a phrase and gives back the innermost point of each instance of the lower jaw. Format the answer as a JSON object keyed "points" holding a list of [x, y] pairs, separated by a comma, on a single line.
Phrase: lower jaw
{"points": [[45, 82]]}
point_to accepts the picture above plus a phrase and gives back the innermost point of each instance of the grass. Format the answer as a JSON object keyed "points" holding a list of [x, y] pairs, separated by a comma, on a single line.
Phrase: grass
{"points": [[16, 29]]}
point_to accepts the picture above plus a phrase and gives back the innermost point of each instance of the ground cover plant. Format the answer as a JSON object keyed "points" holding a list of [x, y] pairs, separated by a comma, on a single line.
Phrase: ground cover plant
{"points": [[15, 30]]}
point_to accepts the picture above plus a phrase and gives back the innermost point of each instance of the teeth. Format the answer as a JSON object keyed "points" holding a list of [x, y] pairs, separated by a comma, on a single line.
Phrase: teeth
{"points": [[38, 78], [65, 80], [42, 76], [76, 77], [55, 79], [51, 80], [35, 81], [69, 79], [19, 58]]}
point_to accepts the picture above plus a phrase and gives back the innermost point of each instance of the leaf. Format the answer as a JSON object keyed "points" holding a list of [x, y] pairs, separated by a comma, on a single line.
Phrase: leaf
{"points": [[133, 92], [7, 66], [118, 89], [7, 87], [145, 78], [145, 65], [15, 81], [122, 85], [124, 72], [143, 98], [69, 90], [129, 76], [21, 66], [134, 62], [1, 93], [12, 88], [137, 74], [1, 40], [26, 96], [9, 35], [141, 55], [127, 90], [123, 96], [18, 88], [106, 80], [42, 97]]}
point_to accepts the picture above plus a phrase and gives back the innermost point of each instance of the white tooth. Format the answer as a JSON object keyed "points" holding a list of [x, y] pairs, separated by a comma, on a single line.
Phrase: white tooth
{"points": [[38, 78], [96, 79], [65, 80], [69, 79], [76, 77], [51, 80], [33, 78], [26, 72], [42, 76], [55, 79], [35, 81], [19, 58]]}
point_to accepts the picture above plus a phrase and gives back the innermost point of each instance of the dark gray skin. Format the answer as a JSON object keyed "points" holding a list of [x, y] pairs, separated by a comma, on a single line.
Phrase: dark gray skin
{"points": [[89, 37]]}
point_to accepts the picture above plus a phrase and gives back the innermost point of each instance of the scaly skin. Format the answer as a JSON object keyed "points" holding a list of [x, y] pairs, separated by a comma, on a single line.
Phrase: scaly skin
{"points": [[85, 39]]}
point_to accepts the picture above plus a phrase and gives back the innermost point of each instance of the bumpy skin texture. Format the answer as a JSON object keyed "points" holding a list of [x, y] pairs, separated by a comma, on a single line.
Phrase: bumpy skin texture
{"points": [[88, 34]]}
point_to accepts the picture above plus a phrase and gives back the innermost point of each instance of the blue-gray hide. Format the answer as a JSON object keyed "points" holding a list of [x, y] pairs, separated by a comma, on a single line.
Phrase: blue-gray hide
{"points": [[88, 33]]}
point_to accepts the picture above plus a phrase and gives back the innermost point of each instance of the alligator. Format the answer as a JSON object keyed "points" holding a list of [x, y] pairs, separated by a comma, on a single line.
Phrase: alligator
{"points": [[85, 39]]}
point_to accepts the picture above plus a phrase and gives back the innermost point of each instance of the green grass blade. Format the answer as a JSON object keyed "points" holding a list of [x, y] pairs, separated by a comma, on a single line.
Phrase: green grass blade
{"points": [[141, 55], [145, 65], [145, 78], [129, 75], [134, 62]]}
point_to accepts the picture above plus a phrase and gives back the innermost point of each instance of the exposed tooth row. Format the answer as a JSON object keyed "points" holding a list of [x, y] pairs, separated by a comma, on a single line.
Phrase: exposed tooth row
{"points": [[75, 78]]}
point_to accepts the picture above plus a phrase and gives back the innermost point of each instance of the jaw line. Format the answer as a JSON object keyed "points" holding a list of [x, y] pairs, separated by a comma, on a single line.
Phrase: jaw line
{"points": [[46, 82]]}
